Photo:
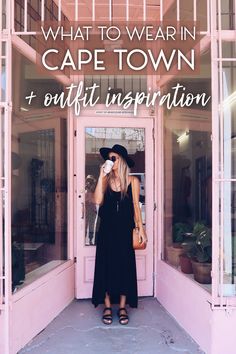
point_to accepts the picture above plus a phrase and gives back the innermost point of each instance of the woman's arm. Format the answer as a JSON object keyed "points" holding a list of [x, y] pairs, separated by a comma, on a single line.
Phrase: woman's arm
{"points": [[137, 211], [100, 187]]}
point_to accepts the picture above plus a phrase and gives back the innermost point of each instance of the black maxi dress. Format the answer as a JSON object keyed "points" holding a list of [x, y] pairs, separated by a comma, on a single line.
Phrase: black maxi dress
{"points": [[115, 267]]}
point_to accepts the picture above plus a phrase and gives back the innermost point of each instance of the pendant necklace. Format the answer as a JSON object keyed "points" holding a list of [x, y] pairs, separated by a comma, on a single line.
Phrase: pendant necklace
{"points": [[117, 202]]}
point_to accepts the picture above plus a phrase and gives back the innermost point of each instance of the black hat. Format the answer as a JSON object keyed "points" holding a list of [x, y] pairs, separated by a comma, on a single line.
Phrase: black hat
{"points": [[118, 149]]}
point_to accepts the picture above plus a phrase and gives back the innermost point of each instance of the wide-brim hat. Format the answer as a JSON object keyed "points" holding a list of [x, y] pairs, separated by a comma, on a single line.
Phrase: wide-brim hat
{"points": [[118, 149]]}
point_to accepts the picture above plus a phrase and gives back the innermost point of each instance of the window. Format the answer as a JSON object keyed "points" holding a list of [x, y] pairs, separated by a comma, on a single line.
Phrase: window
{"points": [[227, 14], [39, 181], [227, 186], [117, 84], [34, 17], [188, 177]]}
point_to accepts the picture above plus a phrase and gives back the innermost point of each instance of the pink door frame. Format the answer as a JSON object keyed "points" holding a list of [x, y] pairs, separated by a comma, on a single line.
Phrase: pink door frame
{"points": [[5, 176], [85, 254]]}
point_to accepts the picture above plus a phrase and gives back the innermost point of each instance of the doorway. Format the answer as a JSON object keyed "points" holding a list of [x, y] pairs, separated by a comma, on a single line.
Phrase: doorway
{"points": [[136, 134]]}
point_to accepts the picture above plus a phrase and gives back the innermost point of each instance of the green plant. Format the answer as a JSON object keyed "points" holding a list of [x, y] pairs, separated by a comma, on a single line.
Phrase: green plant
{"points": [[202, 248], [188, 244], [179, 231]]}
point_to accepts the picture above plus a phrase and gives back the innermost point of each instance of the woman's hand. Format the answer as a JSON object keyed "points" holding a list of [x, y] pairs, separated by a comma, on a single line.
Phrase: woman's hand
{"points": [[98, 195], [102, 173], [142, 235]]}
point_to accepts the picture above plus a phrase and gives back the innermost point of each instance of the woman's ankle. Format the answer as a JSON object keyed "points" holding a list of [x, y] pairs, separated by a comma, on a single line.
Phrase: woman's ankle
{"points": [[122, 301], [107, 302]]}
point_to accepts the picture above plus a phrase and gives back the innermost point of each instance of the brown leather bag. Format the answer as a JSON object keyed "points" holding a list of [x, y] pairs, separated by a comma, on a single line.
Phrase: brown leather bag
{"points": [[137, 242]]}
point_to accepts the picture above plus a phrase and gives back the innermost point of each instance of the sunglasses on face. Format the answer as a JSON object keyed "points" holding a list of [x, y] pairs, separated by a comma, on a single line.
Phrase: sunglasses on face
{"points": [[113, 158]]}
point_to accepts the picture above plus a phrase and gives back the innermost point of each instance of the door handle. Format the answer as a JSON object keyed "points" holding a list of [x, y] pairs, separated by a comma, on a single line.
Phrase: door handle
{"points": [[82, 207]]}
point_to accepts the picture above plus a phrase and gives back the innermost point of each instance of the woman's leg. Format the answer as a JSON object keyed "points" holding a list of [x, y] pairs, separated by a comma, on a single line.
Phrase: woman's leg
{"points": [[122, 313], [107, 312], [122, 301], [107, 301]]}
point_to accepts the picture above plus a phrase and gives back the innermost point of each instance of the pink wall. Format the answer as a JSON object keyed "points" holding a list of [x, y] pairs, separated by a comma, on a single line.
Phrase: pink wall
{"points": [[32, 312], [223, 331], [187, 302], [1, 333]]}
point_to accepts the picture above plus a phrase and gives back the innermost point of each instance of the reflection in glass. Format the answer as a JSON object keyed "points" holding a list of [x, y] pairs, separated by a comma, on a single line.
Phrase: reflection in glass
{"points": [[228, 188], [188, 182], [228, 247], [229, 119], [186, 12], [39, 184], [228, 50], [134, 141], [3, 14], [227, 14], [31, 79], [37, 178], [116, 84], [3, 79], [188, 189], [92, 220]]}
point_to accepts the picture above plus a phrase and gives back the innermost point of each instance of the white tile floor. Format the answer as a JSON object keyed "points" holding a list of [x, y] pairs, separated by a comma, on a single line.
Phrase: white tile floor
{"points": [[79, 330]]}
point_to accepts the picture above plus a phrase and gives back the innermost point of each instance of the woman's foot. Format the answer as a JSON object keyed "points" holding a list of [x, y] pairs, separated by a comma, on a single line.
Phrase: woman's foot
{"points": [[107, 316], [123, 316]]}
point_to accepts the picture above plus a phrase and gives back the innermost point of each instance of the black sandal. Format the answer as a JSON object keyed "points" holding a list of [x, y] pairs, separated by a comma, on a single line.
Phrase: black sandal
{"points": [[123, 318], [107, 319]]}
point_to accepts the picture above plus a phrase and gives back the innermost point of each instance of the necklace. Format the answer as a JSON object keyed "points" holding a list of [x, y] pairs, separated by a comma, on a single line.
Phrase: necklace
{"points": [[116, 187]]}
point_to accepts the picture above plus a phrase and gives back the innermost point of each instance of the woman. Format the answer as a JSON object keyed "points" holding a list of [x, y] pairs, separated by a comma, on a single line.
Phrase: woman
{"points": [[115, 278]]}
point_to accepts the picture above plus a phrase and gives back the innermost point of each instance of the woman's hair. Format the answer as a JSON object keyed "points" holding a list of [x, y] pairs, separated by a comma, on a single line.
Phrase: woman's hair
{"points": [[123, 172]]}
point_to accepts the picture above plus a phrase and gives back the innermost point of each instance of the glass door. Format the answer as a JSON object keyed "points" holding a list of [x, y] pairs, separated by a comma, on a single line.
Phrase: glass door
{"points": [[134, 135]]}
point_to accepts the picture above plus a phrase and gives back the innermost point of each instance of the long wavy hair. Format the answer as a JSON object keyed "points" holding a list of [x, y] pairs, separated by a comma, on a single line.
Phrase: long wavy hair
{"points": [[123, 172]]}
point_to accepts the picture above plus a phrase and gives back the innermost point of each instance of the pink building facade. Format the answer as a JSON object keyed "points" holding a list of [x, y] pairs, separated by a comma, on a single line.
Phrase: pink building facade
{"points": [[185, 159]]}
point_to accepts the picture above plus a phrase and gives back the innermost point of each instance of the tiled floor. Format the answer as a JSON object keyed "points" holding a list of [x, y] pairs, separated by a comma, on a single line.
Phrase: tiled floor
{"points": [[79, 330]]}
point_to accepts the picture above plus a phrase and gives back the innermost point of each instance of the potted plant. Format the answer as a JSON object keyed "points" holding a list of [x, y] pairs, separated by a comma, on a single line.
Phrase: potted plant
{"points": [[176, 249], [185, 258], [202, 254], [179, 231]]}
